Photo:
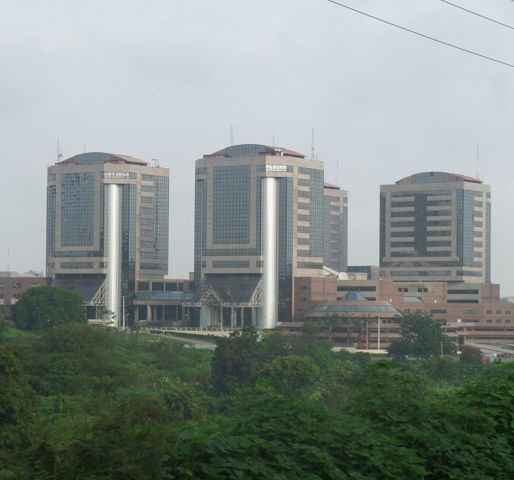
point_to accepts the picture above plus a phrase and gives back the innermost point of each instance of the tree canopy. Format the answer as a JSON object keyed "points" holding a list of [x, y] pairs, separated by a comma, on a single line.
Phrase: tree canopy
{"points": [[45, 307], [422, 336], [79, 402]]}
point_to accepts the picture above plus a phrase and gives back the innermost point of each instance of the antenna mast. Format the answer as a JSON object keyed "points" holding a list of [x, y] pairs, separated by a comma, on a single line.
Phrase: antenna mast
{"points": [[231, 135], [313, 150], [59, 153], [478, 161]]}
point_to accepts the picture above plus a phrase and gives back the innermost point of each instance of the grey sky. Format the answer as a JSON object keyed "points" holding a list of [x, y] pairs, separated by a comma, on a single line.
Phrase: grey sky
{"points": [[166, 79]]}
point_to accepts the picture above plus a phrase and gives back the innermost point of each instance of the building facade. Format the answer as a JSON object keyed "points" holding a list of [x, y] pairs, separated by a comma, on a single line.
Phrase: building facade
{"points": [[335, 238], [13, 285], [259, 222], [436, 226], [473, 313], [107, 226]]}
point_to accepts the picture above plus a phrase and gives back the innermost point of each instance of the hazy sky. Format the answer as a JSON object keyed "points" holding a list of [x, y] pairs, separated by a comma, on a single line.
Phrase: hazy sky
{"points": [[166, 79]]}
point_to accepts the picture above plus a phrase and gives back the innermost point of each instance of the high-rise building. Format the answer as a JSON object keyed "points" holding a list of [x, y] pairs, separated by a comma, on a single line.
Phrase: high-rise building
{"points": [[107, 226], [436, 226], [335, 238], [259, 218]]}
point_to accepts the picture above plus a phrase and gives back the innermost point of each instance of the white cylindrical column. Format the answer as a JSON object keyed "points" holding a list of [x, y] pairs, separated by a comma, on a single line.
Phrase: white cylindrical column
{"points": [[269, 253], [113, 290]]}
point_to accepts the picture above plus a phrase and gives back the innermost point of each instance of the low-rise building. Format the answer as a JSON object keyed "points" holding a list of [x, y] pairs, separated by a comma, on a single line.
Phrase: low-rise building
{"points": [[13, 285], [473, 313]]}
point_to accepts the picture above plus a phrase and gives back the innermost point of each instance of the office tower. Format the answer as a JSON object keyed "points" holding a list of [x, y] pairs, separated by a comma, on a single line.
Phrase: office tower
{"points": [[258, 223], [335, 238], [436, 226], [107, 226]]}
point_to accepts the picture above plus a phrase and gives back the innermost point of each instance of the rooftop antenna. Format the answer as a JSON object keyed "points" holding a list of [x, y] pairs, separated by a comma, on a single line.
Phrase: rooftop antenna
{"points": [[59, 153], [313, 150], [478, 160], [231, 135], [8, 258], [337, 172], [273, 139]]}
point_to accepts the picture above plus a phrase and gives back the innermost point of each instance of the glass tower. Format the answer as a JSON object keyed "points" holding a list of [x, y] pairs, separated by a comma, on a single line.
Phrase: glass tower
{"points": [[436, 226], [335, 212], [107, 225], [258, 215]]}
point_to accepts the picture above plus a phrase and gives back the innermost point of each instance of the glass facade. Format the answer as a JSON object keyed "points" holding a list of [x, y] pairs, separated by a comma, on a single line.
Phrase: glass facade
{"points": [[409, 221], [229, 217], [77, 209], [285, 247], [231, 205], [335, 230], [76, 226], [315, 218]]}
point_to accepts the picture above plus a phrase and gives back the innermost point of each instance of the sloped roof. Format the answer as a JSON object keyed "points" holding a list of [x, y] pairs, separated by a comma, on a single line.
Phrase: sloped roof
{"points": [[101, 157], [253, 149], [227, 289], [436, 177]]}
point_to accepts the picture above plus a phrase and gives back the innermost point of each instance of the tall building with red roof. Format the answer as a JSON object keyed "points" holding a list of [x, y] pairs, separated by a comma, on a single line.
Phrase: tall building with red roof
{"points": [[259, 222], [107, 226]]}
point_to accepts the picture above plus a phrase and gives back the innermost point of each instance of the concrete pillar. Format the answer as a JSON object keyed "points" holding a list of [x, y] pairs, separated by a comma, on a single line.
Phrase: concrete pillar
{"points": [[269, 253], [113, 291]]}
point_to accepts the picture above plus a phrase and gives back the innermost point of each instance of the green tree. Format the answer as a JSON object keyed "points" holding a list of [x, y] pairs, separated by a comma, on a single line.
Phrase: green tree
{"points": [[470, 355], [330, 321], [269, 436], [291, 375], [45, 307], [236, 361], [16, 409], [422, 336], [74, 358]]}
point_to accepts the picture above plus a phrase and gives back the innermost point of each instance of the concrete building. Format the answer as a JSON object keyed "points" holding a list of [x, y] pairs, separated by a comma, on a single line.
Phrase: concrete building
{"points": [[161, 302], [107, 227], [335, 217], [473, 312], [13, 285], [436, 226], [259, 222]]}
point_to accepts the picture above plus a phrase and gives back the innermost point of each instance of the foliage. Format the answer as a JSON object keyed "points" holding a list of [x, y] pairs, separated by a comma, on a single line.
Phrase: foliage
{"points": [[124, 440], [236, 361], [16, 396], [421, 336], [74, 358], [16, 409], [267, 436], [45, 307], [291, 375], [107, 405], [470, 355]]}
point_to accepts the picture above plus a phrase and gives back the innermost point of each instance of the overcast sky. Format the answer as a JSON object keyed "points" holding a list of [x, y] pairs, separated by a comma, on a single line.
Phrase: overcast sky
{"points": [[166, 79]]}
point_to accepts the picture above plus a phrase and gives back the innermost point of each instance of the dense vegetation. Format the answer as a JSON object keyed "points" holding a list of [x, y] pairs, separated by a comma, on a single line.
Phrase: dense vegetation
{"points": [[46, 307], [78, 402]]}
